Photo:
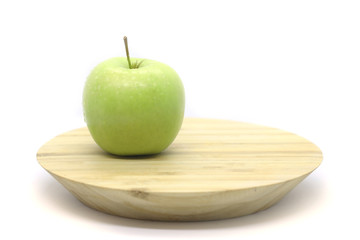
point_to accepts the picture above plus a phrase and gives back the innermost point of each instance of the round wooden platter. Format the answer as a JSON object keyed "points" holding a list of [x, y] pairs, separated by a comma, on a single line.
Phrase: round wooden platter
{"points": [[215, 169]]}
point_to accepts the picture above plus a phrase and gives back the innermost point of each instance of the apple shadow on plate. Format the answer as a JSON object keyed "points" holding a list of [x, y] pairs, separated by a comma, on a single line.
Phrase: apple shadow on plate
{"points": [[310, 192], [137, 157]]}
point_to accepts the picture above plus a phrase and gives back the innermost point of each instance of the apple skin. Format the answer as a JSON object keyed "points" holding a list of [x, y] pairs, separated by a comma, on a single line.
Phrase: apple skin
{"points": [[133, 111]]}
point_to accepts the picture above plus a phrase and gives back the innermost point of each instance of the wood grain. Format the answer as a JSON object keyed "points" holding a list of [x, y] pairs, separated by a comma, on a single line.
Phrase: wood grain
{"points": [[215, 169]]}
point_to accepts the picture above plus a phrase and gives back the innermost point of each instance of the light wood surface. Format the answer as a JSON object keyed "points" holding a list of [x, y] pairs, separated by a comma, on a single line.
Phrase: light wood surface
{"points": [[214, 169]]}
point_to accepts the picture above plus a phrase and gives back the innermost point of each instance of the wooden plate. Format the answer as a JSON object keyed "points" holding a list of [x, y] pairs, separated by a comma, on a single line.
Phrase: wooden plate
{"points": [[215, 169]]}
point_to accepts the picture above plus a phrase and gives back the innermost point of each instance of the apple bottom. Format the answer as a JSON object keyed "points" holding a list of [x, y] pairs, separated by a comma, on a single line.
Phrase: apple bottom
{"points": [[136, 138]]}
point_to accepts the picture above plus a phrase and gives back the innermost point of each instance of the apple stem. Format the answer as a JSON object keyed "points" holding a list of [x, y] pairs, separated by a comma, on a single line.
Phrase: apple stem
{"points": [[127, 51]]}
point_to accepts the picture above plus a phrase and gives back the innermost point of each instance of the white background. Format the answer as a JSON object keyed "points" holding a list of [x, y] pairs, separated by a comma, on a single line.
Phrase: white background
{"points": [[293, 65]]}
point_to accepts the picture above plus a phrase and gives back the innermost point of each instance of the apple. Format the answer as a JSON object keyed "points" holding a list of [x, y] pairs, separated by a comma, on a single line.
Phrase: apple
{"points": [[133, 106]]}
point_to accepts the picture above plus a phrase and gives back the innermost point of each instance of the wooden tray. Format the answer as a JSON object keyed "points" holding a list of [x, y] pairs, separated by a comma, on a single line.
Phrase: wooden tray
{"points": [[215, 169]]}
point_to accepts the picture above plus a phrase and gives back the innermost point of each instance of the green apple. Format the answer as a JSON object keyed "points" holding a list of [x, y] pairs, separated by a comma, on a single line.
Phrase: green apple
{"points": [[133, 108]]}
